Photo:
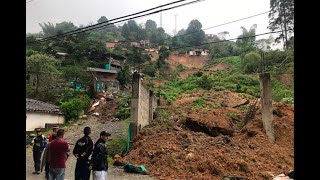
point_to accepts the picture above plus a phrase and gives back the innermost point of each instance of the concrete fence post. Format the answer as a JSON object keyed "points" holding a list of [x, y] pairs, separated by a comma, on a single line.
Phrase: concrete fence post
{"points": [[266, 104]]}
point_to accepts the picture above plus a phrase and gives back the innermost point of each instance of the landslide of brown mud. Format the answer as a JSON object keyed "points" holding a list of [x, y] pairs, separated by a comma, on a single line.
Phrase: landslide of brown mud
{"points": [[181, 152], [188, 61]]}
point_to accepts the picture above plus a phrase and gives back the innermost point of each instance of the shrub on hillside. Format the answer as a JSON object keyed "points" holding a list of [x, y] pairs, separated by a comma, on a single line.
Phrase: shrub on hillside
{"points": [[251, 63], [72, 109], [116, 146], [205, 82], [123, 113]]}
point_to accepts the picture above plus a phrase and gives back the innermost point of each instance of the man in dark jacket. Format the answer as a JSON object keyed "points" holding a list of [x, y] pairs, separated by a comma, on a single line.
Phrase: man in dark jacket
{"points": [[99, 162], [39, 143], [82, 151]]}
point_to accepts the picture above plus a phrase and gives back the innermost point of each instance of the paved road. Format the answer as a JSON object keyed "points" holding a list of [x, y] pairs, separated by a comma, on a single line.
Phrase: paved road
{"points": [[75, 132]]}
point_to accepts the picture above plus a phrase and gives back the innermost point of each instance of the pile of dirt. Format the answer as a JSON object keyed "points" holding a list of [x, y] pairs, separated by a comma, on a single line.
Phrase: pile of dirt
{"points": [[188, 61], [193, 146]]}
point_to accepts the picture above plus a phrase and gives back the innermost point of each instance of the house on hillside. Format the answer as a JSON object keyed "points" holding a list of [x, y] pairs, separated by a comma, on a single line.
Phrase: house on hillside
{"points": [[198, 52], [145, 43], [104, 79], [42, 115]]}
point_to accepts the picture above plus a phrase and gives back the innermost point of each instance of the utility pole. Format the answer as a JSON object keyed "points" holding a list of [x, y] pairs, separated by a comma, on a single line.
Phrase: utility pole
{"points": [[175, 24], [160, 15]]}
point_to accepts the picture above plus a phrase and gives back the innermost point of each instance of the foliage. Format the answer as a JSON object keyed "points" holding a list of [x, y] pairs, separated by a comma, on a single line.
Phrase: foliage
{"points": [[282, 18], [205, 82], [281, 91], [199, 102], [124, 76], [51, 29], [123, 113], [150, 69], [163, 55], [116, 146], [180, 67], [44, 69], [289, 100], [195, 35], [71, 109], [251, 63]]}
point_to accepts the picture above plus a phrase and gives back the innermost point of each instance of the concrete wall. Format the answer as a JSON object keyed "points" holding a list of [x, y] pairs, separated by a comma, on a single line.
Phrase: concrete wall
{"points": [[143, 105], [39, 120]]}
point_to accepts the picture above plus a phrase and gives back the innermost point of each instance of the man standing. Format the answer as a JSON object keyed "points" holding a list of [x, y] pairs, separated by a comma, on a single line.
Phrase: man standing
{"points": [[58, 157], [99, 162], [54, 132], [82, 150], [46, 158], [39, 143]]}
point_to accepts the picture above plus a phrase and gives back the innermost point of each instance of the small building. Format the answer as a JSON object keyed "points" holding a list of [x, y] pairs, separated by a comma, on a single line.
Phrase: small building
{"points": [[198, 52], [135, 44], [104, 79], [145, 43], [42, 115]]}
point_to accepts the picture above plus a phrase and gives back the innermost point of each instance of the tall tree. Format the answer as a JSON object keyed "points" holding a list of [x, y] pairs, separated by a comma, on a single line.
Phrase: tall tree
{"points": [[282, 18], [197, 35], [50, 29], [42, 67], [151, 25]]}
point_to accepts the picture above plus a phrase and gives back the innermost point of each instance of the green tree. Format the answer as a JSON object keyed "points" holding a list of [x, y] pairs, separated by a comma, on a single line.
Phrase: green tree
{"points": [[124, 76], [151, 26], [50, 29], [282, 18], [102, 19], [42, 67], [163, 55], [197, 35], [251, 62]]}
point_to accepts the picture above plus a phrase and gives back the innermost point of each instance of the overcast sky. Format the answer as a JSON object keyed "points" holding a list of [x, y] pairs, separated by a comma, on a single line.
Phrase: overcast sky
{"points": [[208, 12]]}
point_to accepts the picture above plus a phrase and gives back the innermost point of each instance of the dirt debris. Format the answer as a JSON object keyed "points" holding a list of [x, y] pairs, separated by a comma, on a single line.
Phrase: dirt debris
{"points": [[191, 153]]}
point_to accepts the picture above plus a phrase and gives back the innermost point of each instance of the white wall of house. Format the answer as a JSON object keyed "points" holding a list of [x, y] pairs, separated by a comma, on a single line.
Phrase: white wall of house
{"points": [[39, 120]]}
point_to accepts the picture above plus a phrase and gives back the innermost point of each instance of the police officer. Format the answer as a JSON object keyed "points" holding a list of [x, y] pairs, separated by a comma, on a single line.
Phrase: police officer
{"points": [[82, 151], [39, 143]]}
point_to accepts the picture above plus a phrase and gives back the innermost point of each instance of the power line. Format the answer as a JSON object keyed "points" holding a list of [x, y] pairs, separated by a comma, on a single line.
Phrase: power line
{"points": [[245, 37], [95, 26], [209, 27], [217, 25]]}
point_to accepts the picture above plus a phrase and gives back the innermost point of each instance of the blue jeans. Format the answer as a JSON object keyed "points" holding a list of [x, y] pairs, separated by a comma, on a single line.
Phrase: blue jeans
{"points": [[56, 173]]}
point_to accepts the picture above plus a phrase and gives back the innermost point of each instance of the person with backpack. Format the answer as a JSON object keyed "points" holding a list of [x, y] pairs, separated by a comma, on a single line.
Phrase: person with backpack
{"points": [[82, 151]]}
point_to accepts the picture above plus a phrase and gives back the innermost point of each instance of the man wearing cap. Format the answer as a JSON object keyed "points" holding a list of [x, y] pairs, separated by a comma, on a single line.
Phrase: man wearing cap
{"points": [[82, 151], [99, 162], [54, 132], [39, 143]]}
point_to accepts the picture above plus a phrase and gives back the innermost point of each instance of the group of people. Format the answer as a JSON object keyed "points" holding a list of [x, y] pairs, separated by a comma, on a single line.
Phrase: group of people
{"points": [[90, 157]]}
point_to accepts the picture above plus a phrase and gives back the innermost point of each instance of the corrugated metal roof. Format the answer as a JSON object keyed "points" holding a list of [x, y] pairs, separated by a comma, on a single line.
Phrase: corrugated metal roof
{"points": [[101, 70], [39, 106]]}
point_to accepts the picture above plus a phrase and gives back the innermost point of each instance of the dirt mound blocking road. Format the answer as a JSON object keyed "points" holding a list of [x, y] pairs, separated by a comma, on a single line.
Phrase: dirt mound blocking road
{"points": [[175, 151]]}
